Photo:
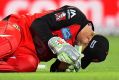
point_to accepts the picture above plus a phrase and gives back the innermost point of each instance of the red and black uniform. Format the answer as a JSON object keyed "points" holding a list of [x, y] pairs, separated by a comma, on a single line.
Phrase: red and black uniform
{"points": [[65, 22], [35, 32]]}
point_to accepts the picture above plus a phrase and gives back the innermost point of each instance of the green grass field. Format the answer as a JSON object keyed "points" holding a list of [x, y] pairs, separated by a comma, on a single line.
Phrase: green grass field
{"points": [[107, 70]]}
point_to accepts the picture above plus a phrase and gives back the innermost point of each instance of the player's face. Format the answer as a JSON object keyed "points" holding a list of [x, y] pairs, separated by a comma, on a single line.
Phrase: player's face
{"points": [[85, 35]]}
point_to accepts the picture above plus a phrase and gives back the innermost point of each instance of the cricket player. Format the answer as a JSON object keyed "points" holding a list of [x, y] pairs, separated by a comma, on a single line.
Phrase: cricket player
{"points": [[96, 51], [25, 40]]}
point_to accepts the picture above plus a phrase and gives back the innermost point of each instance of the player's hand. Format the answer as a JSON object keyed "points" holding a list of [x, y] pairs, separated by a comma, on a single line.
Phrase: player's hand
{"points": [[74, 67], [65, 52], [59, 66], [77, 65]]}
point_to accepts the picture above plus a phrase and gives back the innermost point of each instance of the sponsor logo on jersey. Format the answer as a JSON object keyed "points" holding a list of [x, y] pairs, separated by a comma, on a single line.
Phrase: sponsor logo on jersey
{"points": [[71, 13], [60, 16], [16, 26], [93, 43], [66, 33]]}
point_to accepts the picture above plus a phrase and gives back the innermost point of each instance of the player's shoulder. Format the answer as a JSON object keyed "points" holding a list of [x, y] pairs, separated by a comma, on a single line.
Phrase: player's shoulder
{"points": [[69, 7]]}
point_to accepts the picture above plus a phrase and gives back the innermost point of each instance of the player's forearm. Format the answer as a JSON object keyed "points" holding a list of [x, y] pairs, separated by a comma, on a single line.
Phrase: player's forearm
{"points": [[40, 29]]}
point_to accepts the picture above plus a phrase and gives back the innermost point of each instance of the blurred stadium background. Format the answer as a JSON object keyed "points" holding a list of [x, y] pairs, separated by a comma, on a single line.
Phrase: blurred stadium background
{"points": [[104, 14]]}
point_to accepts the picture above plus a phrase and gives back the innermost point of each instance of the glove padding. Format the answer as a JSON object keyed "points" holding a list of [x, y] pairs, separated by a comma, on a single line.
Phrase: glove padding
{"points": [[74, 67], [66, 52], [77, 65]]}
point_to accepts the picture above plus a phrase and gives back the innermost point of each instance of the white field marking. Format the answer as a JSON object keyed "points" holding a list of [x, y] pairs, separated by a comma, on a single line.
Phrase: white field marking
{"points": [[41, 66]]}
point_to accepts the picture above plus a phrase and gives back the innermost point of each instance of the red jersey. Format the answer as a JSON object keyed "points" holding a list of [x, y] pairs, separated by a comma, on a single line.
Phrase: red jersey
{"points": [[35, 31], [38, 28]]}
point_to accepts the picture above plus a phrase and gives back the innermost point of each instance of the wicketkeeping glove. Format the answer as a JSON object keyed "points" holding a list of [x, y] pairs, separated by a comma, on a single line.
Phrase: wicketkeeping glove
{"points": [[64, 51], [77, 65]]}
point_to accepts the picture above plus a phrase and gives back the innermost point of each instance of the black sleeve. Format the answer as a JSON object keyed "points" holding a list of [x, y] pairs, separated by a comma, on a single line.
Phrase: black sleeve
{"points": [[63, 17]]}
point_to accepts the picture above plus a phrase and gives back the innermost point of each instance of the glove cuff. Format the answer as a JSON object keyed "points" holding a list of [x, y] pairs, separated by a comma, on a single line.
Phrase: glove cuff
{"points": [[56, 44]]}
